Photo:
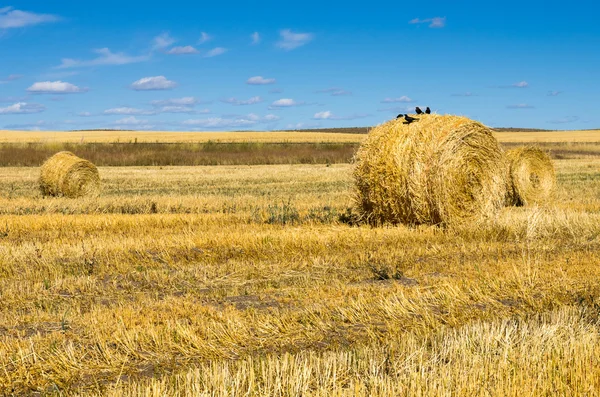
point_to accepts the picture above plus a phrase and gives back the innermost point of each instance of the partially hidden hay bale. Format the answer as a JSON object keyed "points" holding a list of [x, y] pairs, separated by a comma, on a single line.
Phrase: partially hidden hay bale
{"points": [[65, 174], [531, 176], [441, 169]]}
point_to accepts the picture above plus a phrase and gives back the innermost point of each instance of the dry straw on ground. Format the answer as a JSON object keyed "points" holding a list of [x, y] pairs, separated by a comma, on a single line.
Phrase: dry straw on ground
{"points": [[65, 174], [531, 178], [437, 170]]}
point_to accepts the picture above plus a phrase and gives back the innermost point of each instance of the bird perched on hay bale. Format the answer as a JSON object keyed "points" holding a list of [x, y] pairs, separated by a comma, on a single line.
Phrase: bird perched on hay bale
{"points": [[65, 174], [441, 170], [531, 176]]}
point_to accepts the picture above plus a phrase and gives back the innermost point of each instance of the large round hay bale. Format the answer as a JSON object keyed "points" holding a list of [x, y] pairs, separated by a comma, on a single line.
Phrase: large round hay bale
{"points": [[441, 169], [65, 174], [531, 176]]}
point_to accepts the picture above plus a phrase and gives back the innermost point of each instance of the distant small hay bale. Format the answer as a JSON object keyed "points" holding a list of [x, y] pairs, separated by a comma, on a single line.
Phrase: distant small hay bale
{"points": [[531, 176], [65, 174], [441, 169]]}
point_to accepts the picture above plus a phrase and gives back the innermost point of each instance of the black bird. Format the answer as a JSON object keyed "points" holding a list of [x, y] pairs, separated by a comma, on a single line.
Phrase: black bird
{"points": [[418, 110], [400, 115], [428, 111], [409, 119]]}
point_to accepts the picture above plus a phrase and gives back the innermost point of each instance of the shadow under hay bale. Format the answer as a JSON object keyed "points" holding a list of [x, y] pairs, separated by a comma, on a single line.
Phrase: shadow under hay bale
{"points": [[438, 170], [65, 174], [531, 176]]}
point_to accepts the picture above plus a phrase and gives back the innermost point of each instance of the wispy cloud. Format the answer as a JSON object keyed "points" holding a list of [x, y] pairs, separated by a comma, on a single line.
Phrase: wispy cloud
{"points": [[554, 93], [132, 121], [402, 99], [286, 103], [565, 120], [328, 115], [106, 57], [84, 114], [465, 94], [185, 101], [521, 84], [520, 106], [259, 80], [188, 49], [36, 126], [290, 40], [128, 111], [237, 102], [11, 77], [276, 90], [301, 126], [23, 108], [11, 18], [181, 109], [436, 22], [335, 91], [204, 37], [153, 83], [233, 121], [54, 87], [215, 52], [255, 38], [162, 41]]}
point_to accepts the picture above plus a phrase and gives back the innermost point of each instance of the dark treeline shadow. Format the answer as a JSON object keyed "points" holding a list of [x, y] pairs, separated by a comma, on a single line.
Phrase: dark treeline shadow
{"points": [[180, 154]]}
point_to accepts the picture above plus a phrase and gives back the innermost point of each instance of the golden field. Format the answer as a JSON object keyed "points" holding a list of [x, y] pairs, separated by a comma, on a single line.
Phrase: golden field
{"points": [[275, 136], [252, 280]]}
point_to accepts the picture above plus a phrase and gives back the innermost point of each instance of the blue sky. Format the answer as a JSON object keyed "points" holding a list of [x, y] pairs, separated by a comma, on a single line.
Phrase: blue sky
{"points": [[275, 65]]}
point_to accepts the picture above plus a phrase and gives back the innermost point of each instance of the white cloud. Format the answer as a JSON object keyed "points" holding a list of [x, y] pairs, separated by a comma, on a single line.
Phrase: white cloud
{"points": [[106, 57], [237, 102], [54, 87], [290, 40], [132, 120], [127, 111], [11, 18], [271, 117], [554, 93], [163, 41], [299, 126], [286, 102], [153, 83], [436, 22], [23, 108], [84, 114], [215, 51], [255, 38], [520, 106], [204, 37], [327, 115], [181, 109], [335, 91], [219, 122], [521, 84], [403, 99], [186, 101], [234, 121], [466, 94], [188, 49], [259, 80], [323, 115]]}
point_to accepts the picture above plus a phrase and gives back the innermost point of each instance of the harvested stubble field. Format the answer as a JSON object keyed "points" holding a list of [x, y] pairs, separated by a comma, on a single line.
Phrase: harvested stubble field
{"points": [[248, 280]]}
